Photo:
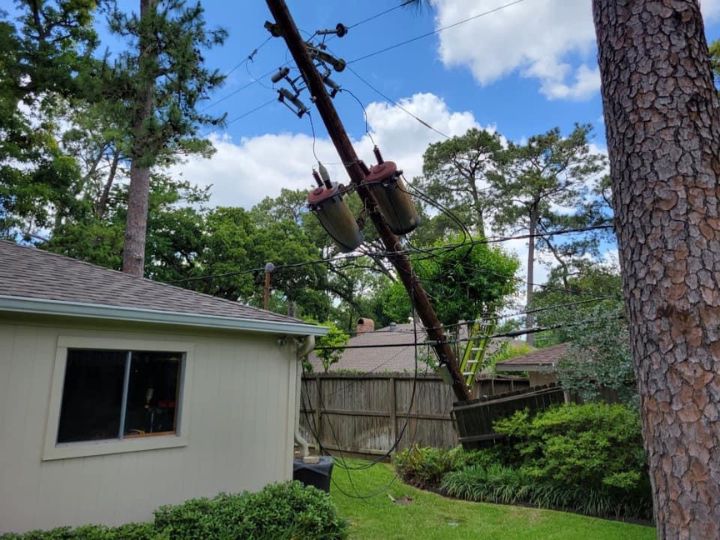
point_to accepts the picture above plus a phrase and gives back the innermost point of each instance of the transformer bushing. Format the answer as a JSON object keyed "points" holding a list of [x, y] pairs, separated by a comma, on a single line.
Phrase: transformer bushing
{"points": [[388, 186]]}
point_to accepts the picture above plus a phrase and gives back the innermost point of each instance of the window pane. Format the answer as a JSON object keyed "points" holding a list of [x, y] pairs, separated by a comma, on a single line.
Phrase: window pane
{"points": [[152, 393], [92, 395]]}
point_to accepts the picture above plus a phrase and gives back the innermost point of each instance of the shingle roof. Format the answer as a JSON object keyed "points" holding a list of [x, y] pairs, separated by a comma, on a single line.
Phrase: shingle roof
{"points": [[383, 359], [547, 357], [27, 272]]}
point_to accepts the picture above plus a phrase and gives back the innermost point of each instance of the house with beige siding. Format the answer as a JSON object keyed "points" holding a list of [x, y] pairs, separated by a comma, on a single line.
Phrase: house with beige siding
{"points": [[119, 394]]}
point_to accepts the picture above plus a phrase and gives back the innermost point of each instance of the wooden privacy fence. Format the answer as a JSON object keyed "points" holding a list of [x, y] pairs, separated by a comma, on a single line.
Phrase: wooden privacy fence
{"points": [[475, 418], [368, 413]]}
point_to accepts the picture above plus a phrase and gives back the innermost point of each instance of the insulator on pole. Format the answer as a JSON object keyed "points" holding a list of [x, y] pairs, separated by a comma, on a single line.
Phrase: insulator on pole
{"points": [[324, 175], [280, 74], [317, 178], [332, 85], [284, 95], [378, 155]]}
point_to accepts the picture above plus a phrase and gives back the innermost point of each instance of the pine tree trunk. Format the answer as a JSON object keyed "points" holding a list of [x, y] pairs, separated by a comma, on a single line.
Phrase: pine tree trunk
{"points": [[663, 131], [529, 319], [139, 192]]}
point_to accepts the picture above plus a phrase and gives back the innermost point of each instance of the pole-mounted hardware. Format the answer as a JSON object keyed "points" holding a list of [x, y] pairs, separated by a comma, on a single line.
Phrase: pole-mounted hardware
{"points": [[357, 171]]}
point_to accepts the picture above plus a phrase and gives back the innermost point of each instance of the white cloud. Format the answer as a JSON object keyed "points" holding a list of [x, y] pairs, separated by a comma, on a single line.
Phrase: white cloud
{"points": [[534, 38], [552, 41], [242, 173]]}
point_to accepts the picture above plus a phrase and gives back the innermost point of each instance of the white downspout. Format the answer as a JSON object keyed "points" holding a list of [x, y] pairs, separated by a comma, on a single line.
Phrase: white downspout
{"points": [[304, 348]]}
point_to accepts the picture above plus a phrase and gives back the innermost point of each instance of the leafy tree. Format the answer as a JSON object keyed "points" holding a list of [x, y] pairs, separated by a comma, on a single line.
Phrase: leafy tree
{"points": [[598, 359], [464, 282], [455, 174], [541, 187], [175, 230], [46, 64], [161, 83]]}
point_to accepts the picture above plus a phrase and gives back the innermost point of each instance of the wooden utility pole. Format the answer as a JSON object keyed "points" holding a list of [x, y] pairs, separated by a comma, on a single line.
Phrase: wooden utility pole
{"points": [[356, 171], [269, 267]]}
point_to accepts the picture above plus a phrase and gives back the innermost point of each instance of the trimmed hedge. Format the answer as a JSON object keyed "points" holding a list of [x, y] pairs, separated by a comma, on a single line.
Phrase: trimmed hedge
{"points": [[279, 511]]}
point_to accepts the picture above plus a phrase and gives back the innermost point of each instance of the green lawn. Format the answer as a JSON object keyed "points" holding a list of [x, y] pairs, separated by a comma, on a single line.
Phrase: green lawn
{"points": [[432, 516]]}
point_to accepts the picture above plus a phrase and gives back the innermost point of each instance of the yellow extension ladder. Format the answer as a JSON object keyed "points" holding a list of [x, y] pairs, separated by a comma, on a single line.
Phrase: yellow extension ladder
{"points": [[478, 339]]}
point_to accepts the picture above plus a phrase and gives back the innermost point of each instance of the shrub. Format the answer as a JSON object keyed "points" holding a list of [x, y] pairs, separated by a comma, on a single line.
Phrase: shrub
{"points": [[425, 467], [131, 531], [287, 510], [280, 511], [594, 444]]}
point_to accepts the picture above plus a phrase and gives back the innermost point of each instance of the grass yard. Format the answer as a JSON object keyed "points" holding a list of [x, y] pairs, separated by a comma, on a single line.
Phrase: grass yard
{"points": [[431, 516]]}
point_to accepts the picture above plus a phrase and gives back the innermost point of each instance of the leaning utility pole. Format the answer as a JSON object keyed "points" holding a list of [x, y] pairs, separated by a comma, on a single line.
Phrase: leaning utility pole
{"points": [[356, 171]]}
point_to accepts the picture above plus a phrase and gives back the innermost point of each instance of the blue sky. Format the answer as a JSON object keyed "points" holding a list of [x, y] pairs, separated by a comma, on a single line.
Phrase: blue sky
{"points": [[522, 69]]}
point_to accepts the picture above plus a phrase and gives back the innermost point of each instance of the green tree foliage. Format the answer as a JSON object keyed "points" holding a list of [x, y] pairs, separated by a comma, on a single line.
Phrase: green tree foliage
{"points": [[175, 231], [588, 308], [46, 62], [336, 339], [542, 186], [463, 281], [455, 174]]}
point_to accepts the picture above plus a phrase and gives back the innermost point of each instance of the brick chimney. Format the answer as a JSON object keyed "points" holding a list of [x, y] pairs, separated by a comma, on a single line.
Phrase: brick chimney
{"points": [[364, 325]]}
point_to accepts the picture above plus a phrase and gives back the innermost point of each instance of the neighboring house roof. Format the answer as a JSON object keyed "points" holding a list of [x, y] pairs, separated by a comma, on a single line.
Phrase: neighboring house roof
{"points": [[539, 360], [380, 359], [37, 281]]}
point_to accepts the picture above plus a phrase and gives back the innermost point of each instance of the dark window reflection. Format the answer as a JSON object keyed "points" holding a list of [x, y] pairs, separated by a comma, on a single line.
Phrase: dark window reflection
{"points": [[152, 393], [92, 395]]}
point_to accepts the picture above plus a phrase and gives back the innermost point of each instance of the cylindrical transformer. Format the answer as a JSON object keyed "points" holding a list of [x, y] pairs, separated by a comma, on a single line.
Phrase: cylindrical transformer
{"points": [[328, 204], [388, 187]]}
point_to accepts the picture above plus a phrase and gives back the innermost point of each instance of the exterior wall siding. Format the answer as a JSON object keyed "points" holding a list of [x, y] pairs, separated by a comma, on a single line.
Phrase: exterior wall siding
{"points": [[240, 410]]}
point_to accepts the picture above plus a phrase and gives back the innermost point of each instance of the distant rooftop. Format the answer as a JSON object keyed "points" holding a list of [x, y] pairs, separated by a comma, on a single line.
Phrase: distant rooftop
{"points": [[381, 359], [538, 360]]}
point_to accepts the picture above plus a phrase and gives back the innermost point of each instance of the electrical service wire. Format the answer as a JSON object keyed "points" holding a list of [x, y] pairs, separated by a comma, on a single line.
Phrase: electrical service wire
{"points": [[371, 463], [448, 247], [433, 32]]}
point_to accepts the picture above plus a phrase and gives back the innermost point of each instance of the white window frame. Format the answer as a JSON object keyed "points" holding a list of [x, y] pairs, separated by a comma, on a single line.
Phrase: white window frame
{"points": [[53, 450]]}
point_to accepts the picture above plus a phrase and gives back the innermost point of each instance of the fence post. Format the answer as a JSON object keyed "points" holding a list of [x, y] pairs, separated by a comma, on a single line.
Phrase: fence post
{"points": [[393, 411], [318, 411]]}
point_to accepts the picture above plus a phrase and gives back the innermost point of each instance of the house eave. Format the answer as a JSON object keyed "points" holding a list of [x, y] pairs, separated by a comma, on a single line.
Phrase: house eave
{"points": [[34, 306]]}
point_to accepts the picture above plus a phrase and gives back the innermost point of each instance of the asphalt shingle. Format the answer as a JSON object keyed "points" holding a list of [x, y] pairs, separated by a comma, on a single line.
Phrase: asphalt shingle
{"points": [[27, 272]]}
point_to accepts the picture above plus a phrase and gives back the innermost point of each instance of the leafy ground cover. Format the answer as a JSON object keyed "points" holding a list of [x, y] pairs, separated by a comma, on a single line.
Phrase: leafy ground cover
{"points": [[420, 514]]}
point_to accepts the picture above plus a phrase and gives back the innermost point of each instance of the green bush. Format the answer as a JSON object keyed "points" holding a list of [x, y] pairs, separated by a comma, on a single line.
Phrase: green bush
{"points": [[280, 511], [131, 531], [505, 485], [594, 444], [425, 467]]}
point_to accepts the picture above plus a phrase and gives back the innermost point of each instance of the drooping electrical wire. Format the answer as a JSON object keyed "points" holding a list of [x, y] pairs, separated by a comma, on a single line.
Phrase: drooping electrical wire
{"points": [[398, 105]]}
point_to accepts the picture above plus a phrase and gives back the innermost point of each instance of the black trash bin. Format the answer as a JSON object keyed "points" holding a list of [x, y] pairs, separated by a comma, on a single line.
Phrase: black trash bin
{"points": [[314, 474]]}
